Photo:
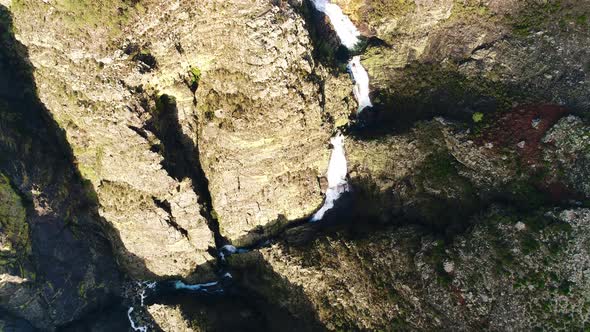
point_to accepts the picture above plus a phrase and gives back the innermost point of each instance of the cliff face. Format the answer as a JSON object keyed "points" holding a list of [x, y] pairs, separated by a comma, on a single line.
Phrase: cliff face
{"points": [[55, 264], [137, 136], [90, 87], [508, 272], [458, 57], [260, 128]]}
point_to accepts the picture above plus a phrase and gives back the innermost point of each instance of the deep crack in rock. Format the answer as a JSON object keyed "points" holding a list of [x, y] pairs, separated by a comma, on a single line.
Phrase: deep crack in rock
{"points": [[165, 205]]}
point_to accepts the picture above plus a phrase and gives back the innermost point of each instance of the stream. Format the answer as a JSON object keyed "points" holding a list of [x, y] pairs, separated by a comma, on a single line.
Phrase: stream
{"points": [[336, 174]]}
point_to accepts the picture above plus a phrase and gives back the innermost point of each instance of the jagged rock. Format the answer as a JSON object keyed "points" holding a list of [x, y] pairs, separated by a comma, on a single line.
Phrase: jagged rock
{"points": [[56, 264], [458, 57], [258, 121], [81, 82], [181, 115], [421, 173], [261, 135], [170, 319], [396, 278], [568, 153], [17, 291]]}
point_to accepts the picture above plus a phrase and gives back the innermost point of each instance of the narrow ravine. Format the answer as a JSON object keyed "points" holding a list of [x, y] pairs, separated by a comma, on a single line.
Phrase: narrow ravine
{"points": [[349, 37], [181, 159], [336, 174]]}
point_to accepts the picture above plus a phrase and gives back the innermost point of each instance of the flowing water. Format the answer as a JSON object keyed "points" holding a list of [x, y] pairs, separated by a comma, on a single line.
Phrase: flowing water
{"points": [[361, 83], [343, 26], [336, 173]]}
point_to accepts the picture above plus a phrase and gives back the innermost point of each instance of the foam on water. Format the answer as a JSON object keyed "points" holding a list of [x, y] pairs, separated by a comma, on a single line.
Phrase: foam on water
{"points": [[345, 29], [337, 170], [132, 323], [361, 83]]}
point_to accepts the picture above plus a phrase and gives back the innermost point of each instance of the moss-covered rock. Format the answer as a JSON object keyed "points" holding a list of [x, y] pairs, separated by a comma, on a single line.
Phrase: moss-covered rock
{"points": [[15, 244], [408, 279], [568, 154]]}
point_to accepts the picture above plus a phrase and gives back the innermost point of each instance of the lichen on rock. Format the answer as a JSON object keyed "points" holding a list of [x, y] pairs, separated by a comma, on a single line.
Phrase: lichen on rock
{"points": [[142, 139], [15, 244], [569, 153]]}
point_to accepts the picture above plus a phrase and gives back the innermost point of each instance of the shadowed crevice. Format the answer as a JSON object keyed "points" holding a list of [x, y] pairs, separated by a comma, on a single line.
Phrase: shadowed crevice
{"points": [[74, 271], [165, 205], [181, 157]]}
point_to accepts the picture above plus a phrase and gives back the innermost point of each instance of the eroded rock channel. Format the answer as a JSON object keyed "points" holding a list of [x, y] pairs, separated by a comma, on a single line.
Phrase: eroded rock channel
{"points": [[336, 176], [294, 165]]}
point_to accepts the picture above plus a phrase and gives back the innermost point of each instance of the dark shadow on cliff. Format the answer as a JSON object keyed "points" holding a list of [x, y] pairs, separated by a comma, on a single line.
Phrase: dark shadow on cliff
{"points": [[368, 209], [422, 91], [255, 299], [419, 91], [73, 267], [258, 296], [239, 307], [10, 323], [181, 157]]}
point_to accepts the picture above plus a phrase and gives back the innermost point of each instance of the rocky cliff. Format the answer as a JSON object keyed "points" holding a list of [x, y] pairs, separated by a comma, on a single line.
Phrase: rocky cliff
{"points": [[137, 137]]}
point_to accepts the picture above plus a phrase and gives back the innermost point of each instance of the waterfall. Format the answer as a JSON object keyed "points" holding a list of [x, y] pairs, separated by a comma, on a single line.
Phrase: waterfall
{"points": [[132, 323], [336, 174], [337, 170], [349, 37], [360, 78], [345, 29], [143, 287]]}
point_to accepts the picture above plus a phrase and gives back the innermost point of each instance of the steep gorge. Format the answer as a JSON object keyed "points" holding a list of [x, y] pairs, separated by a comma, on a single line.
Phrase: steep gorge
{"points": [[190, 135]]}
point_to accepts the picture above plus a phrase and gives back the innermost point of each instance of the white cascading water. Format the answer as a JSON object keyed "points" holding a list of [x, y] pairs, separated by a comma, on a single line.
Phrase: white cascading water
{"points": [[349, 37], [337, 167], [337, 170], [142, 287], [132, 323], [345, 29], [361, 83]]}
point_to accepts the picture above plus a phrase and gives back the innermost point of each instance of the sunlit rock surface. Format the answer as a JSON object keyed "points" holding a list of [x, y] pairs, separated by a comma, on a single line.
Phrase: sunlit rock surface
{"points": [[468, 206], [262, 138], [80, 72]]}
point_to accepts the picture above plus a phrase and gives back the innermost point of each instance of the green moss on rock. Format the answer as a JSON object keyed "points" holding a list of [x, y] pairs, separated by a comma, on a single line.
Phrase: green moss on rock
{"points": [[535, 18], [15, 244], [422, 90], [376, 10]]}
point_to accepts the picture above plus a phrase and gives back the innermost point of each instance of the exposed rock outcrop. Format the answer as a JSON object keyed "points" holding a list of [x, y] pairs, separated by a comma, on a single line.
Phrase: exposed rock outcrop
{"points": [[55, 262], [82, 83], [170, 318], [509, 271], [459, 57], [569, 153], [262, 137], [138, 136]]}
